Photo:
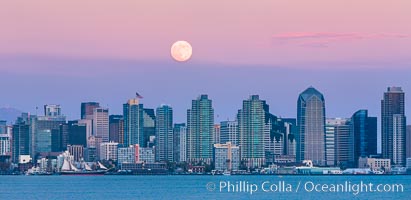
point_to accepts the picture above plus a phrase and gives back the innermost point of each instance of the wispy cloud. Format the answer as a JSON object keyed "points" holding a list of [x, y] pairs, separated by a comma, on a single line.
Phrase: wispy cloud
{"points": [[324, 39]]}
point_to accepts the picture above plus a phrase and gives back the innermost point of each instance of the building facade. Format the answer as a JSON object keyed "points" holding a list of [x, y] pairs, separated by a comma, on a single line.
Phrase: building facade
{"points": [[365, 134], [133, 123], [126, 155], [200, 125], [393, 125], [251, 129], [108, 151], [164, 134], [226, 157], [101, 124], [343, 143], [20, 140], [311, 124], [144, 154], [116, 128], [180, 142]]}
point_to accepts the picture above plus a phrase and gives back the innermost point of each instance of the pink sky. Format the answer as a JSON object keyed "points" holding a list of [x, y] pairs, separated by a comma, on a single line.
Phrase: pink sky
{"points": [[270, 32]]}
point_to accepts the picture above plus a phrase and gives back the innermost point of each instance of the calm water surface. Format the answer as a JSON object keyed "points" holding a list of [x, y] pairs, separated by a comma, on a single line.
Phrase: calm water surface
{"points": [[199, 187]]}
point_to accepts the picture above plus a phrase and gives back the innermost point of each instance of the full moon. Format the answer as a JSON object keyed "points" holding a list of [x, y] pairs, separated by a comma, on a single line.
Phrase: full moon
{"points": [[181, 51]]}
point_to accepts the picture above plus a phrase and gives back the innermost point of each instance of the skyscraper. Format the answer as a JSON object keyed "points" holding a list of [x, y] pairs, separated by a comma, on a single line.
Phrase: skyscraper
{"points": [[251, 129], [115, 128], [133, 123], [365, 134], [180, 142], [164, 134], [42, 128], [200, 124], [20, 140], [100, 124], [87, 109], [311, 124], [343, 142], [393, 124]]}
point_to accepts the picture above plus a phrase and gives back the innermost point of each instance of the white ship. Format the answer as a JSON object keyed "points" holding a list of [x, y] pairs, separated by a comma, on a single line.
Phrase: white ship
{"points": [[69, 169]]}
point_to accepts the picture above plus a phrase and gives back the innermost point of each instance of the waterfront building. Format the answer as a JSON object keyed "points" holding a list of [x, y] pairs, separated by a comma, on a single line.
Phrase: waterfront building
{"points": [[393, 125], [77, 151], [365, 134], [343, 142], [180, 142], [144, 154], [21, 137], [126, 155], [200, 125], [251, 128], [133, 123], [226, 157], [374, 163], [164, 134], [108, 151], [311, 125]]}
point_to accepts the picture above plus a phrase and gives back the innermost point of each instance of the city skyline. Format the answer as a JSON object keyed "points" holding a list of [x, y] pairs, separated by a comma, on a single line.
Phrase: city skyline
{"points": [[56, 110]]}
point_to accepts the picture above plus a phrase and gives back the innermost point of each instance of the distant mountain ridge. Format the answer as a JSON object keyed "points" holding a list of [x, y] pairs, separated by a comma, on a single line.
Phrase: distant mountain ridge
{"points": [[9, 114]]}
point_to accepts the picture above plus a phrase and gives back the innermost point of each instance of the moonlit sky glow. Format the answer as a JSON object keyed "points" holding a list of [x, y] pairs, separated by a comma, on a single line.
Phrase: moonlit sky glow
{"points": [[69, 51]]}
